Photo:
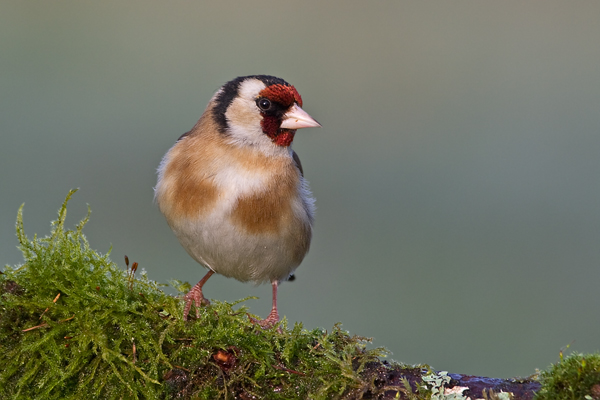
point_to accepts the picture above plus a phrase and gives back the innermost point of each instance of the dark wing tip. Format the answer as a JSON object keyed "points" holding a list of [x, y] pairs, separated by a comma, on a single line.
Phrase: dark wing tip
{"points": [[297, 162]]}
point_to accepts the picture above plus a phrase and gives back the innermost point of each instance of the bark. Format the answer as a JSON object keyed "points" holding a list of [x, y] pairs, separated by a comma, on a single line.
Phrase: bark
{"points": [[389, 380]]}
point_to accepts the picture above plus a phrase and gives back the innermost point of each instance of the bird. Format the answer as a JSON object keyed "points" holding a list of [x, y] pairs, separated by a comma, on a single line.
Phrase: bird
{"points": [[233, 191]]}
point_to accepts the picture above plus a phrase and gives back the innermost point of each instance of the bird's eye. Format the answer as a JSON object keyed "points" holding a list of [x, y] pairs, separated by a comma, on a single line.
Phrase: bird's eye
{"points": [[264, 104]]}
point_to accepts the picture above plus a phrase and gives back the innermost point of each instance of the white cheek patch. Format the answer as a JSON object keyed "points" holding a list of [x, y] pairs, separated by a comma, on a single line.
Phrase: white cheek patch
{"points": [[243, 116], [244, 120]]}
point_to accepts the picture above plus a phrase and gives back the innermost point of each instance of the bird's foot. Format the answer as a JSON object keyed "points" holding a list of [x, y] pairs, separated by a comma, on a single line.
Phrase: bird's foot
{"points": [[196, 297], [267, 323]]}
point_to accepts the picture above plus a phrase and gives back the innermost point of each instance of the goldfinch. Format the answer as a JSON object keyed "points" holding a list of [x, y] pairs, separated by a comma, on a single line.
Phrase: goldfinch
{"points": [[233, 191]]}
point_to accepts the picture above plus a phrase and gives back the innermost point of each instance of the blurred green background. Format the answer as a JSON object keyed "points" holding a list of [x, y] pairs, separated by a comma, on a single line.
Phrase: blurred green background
{"points": [[457, 174]]}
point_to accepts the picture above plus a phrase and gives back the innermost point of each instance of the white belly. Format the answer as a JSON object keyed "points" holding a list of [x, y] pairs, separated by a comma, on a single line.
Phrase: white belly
{"points": [[218, 243]]}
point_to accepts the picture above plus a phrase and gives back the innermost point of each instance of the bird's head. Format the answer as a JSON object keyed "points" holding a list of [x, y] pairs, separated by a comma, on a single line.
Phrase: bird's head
{"points": [[260, 110]]}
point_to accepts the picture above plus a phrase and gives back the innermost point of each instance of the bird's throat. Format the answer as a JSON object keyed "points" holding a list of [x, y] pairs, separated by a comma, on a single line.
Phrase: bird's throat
{"points": [[281, 137]]}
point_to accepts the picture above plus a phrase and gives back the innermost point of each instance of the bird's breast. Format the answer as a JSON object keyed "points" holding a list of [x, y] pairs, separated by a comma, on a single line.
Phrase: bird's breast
{"points": [[255, 193], [243, 217], [269, 210]]}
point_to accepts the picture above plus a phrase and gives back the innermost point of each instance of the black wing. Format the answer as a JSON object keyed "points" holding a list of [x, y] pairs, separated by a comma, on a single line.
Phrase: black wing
{"points": [[297, 162]]}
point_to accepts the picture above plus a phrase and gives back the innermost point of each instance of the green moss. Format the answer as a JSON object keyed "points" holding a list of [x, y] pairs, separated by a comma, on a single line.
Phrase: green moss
{"points": [[574, 377], [74, 325], [111, 335]]}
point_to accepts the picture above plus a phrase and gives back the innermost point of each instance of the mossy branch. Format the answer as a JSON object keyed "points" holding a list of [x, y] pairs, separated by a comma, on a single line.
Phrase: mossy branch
{"points": [[74, 325]]}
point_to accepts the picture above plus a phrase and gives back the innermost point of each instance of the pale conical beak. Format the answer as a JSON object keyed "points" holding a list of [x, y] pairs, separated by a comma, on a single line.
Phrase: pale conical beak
{"points": [[297, 118]]}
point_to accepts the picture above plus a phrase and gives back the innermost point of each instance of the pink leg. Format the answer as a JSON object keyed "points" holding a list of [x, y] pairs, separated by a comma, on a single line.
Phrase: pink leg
{"points": [[273, 318], [195, 296]]}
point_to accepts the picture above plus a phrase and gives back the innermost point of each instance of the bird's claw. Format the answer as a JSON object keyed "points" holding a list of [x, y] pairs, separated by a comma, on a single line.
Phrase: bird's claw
{"points": [[196, 297], [267, 323]]}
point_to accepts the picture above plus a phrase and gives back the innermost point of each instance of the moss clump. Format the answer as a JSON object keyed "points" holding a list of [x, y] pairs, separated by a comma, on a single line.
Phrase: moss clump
{"points": [[575, 377], [74, 325]]}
